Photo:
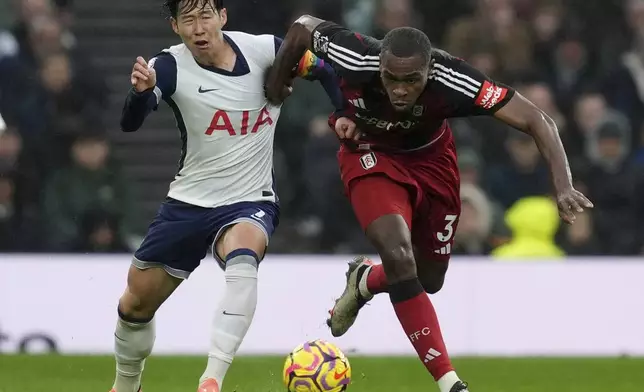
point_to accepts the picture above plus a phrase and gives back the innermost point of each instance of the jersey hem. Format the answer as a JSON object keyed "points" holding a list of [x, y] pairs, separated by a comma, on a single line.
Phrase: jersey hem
{"points": [[197, 203]]}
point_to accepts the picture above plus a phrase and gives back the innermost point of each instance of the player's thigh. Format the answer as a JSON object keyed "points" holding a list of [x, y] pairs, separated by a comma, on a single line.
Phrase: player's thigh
{"points": [[244, 225], [177, 240], [433, 239], [147, 289], [383, 208]]}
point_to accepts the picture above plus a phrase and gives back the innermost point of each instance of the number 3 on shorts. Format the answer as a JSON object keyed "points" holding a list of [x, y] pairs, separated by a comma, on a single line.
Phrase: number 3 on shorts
{"points": [[449, 229]]}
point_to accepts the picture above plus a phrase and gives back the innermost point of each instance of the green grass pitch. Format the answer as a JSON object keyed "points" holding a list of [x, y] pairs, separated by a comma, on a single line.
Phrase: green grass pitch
{"points": [[370, 374]]}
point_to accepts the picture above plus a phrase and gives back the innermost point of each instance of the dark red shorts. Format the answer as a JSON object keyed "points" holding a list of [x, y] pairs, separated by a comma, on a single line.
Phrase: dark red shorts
{"points": [[423, 186]]}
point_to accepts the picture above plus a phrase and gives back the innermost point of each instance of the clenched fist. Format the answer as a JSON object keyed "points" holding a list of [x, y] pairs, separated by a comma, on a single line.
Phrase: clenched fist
{"points": [[143, 76], [345, 128]]}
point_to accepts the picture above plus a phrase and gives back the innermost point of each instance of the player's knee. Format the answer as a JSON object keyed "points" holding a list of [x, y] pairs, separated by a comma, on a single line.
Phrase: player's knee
{"points": [[432, 285], [133, 307], [146, 290], [138, 302], [431, 274], [398, 262]]}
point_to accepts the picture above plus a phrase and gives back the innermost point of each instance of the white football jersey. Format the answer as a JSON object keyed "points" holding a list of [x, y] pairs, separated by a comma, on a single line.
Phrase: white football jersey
{"points": [[226, 124]]}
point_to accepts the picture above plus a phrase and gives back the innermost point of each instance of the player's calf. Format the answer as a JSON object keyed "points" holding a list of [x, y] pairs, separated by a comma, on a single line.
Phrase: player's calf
{"points": [[135, 333], [391, 236], [242, 247]]}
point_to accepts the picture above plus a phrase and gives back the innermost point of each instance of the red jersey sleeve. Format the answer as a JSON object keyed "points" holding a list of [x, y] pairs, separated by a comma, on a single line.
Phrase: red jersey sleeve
{"points": [[352, 55], [465, 89]]}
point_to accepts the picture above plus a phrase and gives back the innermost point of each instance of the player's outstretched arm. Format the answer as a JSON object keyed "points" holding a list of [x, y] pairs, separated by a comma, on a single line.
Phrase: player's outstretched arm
{"points": [[471, 93], [150, 83], [297, 40], [523, 115]]}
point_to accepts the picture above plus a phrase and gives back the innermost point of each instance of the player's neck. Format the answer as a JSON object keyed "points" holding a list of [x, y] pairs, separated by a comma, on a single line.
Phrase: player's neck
{"points": [[222, 55]]}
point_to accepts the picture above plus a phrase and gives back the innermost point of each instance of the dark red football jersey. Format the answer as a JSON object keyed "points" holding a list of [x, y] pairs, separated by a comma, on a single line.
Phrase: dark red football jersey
{"points": [[454, 89]]}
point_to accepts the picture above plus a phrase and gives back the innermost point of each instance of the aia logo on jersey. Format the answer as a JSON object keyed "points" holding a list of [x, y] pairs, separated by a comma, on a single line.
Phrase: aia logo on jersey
{"points": [[490, 95], [222, 122], [368, 161]]}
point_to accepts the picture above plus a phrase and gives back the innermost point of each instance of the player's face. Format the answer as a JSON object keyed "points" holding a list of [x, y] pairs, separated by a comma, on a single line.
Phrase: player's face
{"points": [[199, 26], [404, 78]]}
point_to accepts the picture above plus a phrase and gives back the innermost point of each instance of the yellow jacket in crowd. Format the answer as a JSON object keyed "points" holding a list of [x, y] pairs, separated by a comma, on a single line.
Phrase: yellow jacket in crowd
{"points": [[534, 222]]}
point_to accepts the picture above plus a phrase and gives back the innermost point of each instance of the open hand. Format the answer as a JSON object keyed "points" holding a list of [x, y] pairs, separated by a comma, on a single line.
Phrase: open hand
{"points": [[571, 201]]}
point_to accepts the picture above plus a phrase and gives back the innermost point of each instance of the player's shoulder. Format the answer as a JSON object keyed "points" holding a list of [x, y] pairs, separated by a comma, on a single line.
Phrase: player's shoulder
{"points": [[454, 74], [165, 60], [444, 58], [259, 49], [240, 37], [174, 51]]}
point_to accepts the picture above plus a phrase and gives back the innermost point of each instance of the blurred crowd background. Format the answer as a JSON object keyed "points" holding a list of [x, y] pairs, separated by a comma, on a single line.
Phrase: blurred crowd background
{"points": [[70, 181]]}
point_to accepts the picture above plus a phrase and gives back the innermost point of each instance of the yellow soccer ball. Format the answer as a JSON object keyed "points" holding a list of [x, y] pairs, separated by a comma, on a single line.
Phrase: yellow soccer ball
{"points": [[317, 366]]}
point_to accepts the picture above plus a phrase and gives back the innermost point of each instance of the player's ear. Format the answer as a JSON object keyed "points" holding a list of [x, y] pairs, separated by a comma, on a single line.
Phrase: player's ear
{"points": [[223, 16], [175, 27]]}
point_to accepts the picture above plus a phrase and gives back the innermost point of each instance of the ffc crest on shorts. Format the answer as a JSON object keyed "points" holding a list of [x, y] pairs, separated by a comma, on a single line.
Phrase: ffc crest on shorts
{"points": [[368, 161]]}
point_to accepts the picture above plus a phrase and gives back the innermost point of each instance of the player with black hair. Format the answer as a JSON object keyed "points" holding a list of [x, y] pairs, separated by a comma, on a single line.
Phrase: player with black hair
{"points": [[398, 164], [172, 8], [223, 197]]}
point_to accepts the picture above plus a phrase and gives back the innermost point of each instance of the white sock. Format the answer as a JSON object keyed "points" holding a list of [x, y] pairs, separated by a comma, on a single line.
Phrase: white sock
{"points": [[362, 285], [233, 316], [446, 382], [133, 343]]}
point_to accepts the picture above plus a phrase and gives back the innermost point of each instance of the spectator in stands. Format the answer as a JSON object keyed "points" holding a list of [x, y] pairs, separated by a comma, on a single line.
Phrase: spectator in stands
{"points": [[543, 96], [331, 214], [590, 108], [39, 31], [394, 13], [68, 104], [547, 22], [525, 176], [470, 166], [100, 233], [10, 235], [624, 89], [615, 185], [475, 222], [27, 11], [25, 173], [483, 58], [92, 182], [579, 239], [10, 223], [495, 25], [569, 70], [534, 221]]}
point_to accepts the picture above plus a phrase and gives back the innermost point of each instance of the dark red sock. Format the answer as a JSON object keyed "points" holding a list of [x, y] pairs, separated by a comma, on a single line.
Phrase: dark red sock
{"points": [[418, 318], [377, 280]]}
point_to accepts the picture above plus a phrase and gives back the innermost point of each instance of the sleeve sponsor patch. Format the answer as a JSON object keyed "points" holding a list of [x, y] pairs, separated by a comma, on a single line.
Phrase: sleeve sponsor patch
{"points": [[490, 95], [320, 42]]}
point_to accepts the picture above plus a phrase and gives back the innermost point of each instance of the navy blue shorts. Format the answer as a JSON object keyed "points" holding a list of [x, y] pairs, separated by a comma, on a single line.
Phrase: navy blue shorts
{"points": [[181, 234]]}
